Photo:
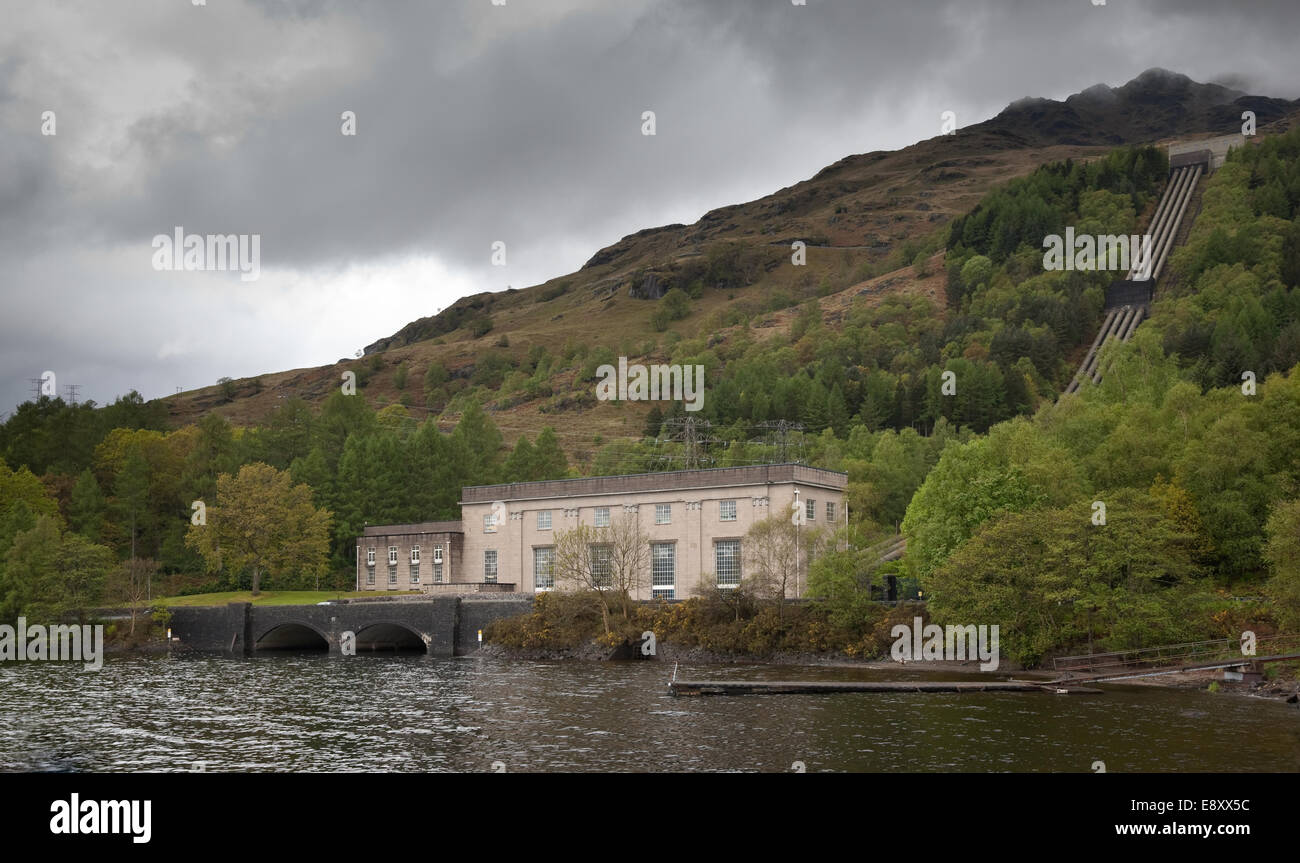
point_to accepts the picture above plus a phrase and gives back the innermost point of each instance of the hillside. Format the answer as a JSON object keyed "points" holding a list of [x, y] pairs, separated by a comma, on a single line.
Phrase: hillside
{"points": [[866, 219]]}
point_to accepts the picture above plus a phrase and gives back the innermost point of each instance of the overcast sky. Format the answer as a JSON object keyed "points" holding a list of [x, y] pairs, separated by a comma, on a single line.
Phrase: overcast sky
{"points": [[474, 123]]}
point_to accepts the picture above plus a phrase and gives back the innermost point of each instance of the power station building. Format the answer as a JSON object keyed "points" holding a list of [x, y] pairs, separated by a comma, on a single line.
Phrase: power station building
{"points": [[694, 522]]}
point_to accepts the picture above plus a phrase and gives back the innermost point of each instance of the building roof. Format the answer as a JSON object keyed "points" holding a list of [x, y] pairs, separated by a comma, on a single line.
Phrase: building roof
{"points": [[415, 527], [674, 480]]}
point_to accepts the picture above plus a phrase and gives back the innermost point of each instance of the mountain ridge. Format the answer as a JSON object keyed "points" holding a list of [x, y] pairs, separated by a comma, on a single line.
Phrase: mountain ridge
{"points": [[862, 217]]}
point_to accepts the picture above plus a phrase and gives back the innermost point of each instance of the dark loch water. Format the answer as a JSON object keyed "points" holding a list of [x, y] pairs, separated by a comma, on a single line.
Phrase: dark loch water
{"points": [[367, 713]]}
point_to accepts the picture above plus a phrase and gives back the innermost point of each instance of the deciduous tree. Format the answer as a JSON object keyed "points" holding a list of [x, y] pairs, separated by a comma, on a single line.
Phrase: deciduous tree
{"points": [[263, 522]]}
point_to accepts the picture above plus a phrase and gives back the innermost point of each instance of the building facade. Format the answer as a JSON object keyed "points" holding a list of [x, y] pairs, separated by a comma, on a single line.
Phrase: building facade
{"points": [[694, 521], [425, 556]]}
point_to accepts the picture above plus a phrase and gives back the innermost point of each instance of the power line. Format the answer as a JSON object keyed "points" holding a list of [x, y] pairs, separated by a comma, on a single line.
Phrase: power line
{"points": [[696, 436], [778, 433]]}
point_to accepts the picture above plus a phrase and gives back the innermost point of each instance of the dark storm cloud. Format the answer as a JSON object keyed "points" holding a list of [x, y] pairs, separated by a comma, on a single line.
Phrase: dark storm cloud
{"points": [[475, 123]]}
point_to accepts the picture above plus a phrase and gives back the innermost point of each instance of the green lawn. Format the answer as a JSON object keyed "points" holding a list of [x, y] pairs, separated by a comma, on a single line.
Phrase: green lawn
{"points": [[267, 597]]}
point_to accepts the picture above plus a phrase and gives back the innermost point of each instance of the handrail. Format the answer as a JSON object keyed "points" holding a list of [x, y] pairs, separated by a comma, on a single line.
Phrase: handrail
{"points": [[1123, 658]]}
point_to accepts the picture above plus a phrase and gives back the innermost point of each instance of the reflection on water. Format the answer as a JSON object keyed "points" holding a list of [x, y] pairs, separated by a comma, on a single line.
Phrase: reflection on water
{"points": [[413, 713]]}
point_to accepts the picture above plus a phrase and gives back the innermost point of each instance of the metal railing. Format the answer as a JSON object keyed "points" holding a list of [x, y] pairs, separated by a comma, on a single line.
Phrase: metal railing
{"points": [[1173, 654]]}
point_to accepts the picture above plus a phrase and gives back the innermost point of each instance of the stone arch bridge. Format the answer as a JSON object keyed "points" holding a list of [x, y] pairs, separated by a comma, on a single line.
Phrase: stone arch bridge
{"points": [[440, 626]]}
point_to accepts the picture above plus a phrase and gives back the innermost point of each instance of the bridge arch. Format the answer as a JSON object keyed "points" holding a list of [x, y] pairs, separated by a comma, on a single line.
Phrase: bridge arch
{"points": [[391, 636], [292, 635]]}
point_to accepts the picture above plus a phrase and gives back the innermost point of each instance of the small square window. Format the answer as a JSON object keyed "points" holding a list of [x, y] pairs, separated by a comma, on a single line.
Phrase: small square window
{"points": [[602, 516], [727, 510], [663, 513], [543, 519]]}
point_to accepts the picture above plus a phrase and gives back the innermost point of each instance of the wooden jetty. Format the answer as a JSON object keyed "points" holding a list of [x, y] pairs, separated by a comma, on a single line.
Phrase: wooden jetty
{"points": [[826, 687]]}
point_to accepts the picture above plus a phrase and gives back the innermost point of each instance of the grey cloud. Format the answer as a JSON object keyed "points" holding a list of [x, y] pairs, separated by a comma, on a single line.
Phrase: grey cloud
{"points": [[478, 123]]}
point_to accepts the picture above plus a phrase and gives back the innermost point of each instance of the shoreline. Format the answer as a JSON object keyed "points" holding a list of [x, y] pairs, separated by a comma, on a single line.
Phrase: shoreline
{"points": [[1287, 691]]}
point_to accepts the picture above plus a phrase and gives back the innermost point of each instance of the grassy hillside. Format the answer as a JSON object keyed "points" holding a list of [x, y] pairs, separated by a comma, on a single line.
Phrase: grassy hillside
{"points": [[867, 220]]}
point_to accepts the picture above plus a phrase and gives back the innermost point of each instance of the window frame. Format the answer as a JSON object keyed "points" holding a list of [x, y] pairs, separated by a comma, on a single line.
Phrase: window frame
{"points": [[607, 559], [663, 513], [723, 515], [655, 547], [549, 577], [717, 569]]}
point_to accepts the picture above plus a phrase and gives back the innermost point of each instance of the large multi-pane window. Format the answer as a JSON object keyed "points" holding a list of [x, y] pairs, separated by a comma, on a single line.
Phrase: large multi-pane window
{"points": [[437, 554], [392, 555], [727, 510], [544, 568], [663, 569], [602, 565], [437, 573], [370, 557], [415, 573], [392, 574], [830, 510], [415, 554], [490, 565], [490, 522], [810, 509], [370, 576], [726, 562], [663, 513], [543, 519], [602, 516]]}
